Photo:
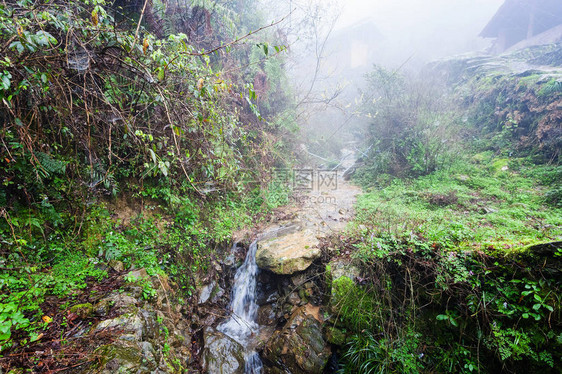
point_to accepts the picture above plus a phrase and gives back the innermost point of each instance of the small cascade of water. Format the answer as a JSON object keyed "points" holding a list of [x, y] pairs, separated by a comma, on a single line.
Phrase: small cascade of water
{"points": [[241, 325]]}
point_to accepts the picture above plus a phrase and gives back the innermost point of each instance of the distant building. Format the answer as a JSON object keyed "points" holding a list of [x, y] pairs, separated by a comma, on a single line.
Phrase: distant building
{"points": [[518, 20], [354, 47]]}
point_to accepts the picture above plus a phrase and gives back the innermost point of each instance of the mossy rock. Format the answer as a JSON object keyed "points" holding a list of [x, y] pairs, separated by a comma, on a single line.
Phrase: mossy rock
{"points": [[500, 165], [335, 336], [82, 310], [483, 157], [299, 346], [115, 358], [352, 304]]}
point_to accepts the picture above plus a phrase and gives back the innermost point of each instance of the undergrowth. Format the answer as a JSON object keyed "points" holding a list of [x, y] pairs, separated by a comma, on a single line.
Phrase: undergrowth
{"points": [[459, 247]]}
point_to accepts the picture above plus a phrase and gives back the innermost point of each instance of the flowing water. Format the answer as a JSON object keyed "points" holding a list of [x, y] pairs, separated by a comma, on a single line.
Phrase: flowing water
{"points": [[242, 326]]}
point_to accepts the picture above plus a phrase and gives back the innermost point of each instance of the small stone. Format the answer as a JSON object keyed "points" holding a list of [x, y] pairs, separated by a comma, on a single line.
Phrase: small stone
{"points": [[273, 297], [294, 299], [116, 265], [218, 267], [137, 274], [211, 292]]}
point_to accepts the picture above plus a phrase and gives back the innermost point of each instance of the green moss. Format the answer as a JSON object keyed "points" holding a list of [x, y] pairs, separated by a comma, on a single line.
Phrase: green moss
{"points": [[500, 165], [353, 304], [82, 310], [335, 336]]}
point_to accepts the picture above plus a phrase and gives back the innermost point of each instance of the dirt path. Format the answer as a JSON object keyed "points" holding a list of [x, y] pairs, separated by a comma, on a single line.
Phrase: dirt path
{"points": [[326, 199]]}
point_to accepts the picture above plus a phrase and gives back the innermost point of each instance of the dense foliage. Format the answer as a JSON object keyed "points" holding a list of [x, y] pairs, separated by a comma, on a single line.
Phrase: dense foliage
{"points": [[458, 236], [134, 131]]}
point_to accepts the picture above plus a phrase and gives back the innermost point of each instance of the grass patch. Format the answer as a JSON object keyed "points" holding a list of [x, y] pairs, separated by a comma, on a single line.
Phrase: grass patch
{"points": [[479, 204]]}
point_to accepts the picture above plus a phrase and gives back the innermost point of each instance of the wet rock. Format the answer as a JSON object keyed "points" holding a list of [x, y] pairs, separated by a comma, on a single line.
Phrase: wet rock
{"points": [[267, 316], [211, 292], [289, 253], [299, 346], [130, 324], [273, 297], [222, 354]]}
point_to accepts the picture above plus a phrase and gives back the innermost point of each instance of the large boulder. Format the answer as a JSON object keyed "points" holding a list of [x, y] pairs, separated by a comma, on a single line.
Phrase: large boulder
{"points": [[288, 254], [299, 346], [222, 355]]}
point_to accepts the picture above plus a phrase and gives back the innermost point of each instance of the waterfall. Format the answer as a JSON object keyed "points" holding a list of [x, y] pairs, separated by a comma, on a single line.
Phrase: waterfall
{"points": [[241, 325]]}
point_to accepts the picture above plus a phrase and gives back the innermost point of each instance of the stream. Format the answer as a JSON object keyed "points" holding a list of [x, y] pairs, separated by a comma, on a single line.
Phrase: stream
{"points": [[242, 326]]}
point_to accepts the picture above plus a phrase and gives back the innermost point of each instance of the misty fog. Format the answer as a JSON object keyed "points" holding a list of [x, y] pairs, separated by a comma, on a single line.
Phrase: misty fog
{"points": [[422, 29], [333, 44]]}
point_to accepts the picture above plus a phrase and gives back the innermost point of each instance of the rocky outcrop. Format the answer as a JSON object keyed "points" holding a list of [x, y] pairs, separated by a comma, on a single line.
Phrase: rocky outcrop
{"points": [[151, 335], [299, 347], [289, 253]]}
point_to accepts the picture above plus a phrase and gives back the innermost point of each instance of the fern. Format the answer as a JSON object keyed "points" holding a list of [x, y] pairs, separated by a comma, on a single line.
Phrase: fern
{"points": [[48, 166]]}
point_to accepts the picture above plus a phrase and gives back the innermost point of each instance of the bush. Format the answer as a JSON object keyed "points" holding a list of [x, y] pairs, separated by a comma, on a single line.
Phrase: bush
{"points": [[409, 133]]}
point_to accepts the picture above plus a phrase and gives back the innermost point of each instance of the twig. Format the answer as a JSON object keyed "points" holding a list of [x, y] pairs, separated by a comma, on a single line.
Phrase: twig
{"points": [[139, 24], [176, 143], [235, 41]]}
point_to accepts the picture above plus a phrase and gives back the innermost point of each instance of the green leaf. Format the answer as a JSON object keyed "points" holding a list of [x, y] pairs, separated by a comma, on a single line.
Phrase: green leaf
{"points": [[153, 155], [161, 74], [6, 80], [17, 45], [5, 332]]}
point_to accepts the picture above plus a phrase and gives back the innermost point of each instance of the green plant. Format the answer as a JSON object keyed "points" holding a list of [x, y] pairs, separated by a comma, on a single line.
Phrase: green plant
{"points": [[148, 291], [365, 354], [11, 319]]}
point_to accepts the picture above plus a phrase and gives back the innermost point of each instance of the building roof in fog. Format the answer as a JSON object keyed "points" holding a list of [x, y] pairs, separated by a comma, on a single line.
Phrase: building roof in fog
{"points": [[514, 17]]}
